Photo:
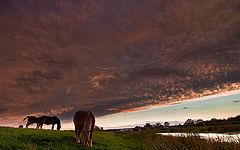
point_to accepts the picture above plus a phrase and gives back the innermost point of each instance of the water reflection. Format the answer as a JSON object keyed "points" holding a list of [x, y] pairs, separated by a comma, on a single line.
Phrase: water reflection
{"points": [[209, 136]]}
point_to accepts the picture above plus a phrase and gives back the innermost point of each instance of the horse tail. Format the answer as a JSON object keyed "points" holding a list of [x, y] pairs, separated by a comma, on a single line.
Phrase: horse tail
{"points": [[92, 127], [25, 118], [93, 122]]}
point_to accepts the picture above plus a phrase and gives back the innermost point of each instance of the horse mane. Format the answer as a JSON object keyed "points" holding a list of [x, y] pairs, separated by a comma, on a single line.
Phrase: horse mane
{"points": [[25, 118]]}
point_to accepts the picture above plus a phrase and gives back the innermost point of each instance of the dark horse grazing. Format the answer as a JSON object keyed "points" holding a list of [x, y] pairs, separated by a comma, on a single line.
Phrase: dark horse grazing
{"points": [[31, 120], [43, 120], [84, 122], [49, 120]]}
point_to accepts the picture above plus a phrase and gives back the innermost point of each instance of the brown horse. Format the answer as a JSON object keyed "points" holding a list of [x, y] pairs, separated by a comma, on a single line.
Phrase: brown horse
{"points": [[49, 121], [84, 122], [31, 120]]}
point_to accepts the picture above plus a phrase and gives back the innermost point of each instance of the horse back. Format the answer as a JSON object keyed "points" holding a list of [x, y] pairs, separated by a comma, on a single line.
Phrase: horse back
{"points": [[48, 120], [32, 119], [79, 118], [84, 120]]}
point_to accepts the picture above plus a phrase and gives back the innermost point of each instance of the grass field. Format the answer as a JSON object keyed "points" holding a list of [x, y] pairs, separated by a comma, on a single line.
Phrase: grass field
{"points": [[34, 139], [14, 138]]}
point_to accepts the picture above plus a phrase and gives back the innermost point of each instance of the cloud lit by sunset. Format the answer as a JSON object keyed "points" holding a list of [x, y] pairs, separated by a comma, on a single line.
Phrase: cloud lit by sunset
{"points": [[115, 57]]}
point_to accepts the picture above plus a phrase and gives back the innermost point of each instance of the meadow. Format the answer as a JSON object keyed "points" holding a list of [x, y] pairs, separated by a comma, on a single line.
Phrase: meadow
{"points": [[34, 139]]}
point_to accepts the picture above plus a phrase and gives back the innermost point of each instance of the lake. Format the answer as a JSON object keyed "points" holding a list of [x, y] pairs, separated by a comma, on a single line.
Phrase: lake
{"points": [[213, 136]]}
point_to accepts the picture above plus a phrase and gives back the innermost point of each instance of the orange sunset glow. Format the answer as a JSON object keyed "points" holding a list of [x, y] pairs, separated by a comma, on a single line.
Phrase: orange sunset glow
{"points": [[115, 57]]}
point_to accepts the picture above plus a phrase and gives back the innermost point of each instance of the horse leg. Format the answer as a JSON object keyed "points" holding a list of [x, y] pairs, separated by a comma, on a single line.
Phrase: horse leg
{"points": [[27, 124], [52, 126], [80, 137], [86, 138], [90, 138], [77, 134], [37, 127]]}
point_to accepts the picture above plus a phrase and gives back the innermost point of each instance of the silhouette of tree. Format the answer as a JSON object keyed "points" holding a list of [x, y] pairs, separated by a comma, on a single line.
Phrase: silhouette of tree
{"points": [[158, 125], [97, 128], [166, 124], [148, 125], [200, 122], [137, 128], [189, 122]]}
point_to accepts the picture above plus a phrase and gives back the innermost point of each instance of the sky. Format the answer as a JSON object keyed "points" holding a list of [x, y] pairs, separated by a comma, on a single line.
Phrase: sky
{"points": [[220, 106], [58, 57]]}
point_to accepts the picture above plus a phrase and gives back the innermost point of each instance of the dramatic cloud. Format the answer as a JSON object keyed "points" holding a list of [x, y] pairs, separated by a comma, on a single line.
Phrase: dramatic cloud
{"points": [[109, 56]]}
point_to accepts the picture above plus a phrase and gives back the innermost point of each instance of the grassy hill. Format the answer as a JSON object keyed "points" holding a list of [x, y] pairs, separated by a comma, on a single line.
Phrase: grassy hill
{"points": [[12, 138]]}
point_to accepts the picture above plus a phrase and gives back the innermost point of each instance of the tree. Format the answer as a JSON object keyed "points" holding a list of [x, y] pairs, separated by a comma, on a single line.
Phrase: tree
{"points": [[97, 128], [147, 125], [137, 128], [189, 122], [158, 125], [200, 122], [166, 124], [213, 121]]}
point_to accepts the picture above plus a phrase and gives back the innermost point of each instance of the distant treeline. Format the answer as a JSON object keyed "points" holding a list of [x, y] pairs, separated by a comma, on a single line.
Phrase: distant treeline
{"points": [[213, 122], [193, 123]]}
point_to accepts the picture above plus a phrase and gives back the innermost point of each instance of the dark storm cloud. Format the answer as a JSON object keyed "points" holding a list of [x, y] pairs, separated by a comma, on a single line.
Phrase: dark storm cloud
{"points": [[108, 56], [48, 59], [106, 107], [37, 80]]}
